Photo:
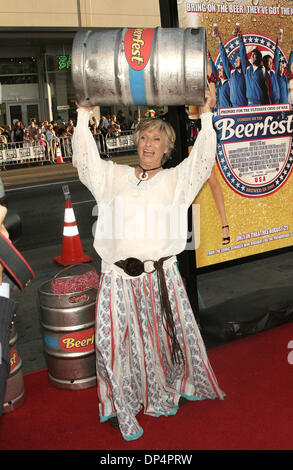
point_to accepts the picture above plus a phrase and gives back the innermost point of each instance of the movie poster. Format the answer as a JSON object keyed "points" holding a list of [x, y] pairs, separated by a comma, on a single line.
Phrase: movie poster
{"points": [[250, 192]]}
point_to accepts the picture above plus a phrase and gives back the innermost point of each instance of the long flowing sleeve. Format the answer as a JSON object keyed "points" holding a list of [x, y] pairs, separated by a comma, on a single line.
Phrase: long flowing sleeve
{"points": [[93, 172], [195, 170]]}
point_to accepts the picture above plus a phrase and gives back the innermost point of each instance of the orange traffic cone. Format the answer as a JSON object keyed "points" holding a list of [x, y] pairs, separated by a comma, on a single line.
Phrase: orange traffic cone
{"points": [[59, 155], [72, 252]]}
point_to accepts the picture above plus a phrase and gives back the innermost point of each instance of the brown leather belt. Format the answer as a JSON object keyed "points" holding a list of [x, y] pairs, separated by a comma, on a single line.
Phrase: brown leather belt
{"points": [[135, 267]]}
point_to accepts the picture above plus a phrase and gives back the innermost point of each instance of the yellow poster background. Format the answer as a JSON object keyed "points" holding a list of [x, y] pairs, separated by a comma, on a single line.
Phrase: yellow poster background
{"points": [[258, 224]]}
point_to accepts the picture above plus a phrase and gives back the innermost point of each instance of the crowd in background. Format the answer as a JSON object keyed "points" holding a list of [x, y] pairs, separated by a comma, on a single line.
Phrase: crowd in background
{"points": [[112, 125], [55, 137]]}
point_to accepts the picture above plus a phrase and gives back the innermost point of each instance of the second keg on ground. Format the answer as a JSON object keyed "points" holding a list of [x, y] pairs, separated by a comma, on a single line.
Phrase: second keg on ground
{"points": [[154, 66], [68, 322]]}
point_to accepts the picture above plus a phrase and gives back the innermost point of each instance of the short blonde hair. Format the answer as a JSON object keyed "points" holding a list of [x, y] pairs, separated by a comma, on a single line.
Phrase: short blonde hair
{"points": [[157, 124]]}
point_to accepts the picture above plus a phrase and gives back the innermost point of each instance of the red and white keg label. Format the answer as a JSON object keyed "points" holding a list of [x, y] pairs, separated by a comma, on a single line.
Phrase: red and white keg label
{"points": [[138, 44], [14, 359], [79, 341]]}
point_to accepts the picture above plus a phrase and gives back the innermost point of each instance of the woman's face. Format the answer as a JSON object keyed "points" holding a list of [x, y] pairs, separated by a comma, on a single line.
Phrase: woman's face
{"points": [[151, 147]]}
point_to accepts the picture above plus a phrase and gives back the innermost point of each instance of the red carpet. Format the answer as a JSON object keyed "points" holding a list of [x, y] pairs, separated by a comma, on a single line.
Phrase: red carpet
{"points": [[257, 413]]}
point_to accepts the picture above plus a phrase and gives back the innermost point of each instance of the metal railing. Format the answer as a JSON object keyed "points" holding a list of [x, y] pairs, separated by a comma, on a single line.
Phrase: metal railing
{"points": [[60, 149]]}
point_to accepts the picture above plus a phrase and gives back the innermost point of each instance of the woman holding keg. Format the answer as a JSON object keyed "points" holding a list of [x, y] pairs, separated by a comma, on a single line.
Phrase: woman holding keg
{"points": [[150, 354]]}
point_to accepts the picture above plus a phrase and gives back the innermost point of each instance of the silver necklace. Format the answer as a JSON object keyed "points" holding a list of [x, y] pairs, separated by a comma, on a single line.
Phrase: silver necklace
{"points": [[144, 175]]}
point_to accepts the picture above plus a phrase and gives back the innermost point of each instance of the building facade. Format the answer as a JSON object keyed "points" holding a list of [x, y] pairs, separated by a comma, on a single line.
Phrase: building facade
{"points": [[35, 52]]}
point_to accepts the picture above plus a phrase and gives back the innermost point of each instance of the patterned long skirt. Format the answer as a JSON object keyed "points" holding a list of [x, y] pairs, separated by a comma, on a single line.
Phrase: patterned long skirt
{"points": [[134, 367]]}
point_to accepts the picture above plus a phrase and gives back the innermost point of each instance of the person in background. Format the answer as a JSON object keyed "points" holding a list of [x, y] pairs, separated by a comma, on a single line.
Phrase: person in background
{"points": [[51, 139], [59, 121], [3, 146], [71, 126], [26, 139], [283, 74], [32, 128], [135, 123], [222, 85], [68, 132], [101, 126], [95, 130], [107, 121], [271, 80], [102, 132], [40, 137], [50, 133], [55, 127], [113, 129], [7, 132], [283, 83], [3, 139], [17, 132], [44, 126], [122, 120], [256, 90], [290, 75]]}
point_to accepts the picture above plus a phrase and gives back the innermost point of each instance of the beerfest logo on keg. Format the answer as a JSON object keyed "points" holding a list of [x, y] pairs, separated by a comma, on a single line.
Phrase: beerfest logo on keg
{"points": [[78, 341], [138, 45], [255, 148]]}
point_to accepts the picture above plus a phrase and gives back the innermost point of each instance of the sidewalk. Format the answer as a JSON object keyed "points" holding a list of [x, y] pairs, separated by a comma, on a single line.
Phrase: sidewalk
{"points": [[16, 176]]}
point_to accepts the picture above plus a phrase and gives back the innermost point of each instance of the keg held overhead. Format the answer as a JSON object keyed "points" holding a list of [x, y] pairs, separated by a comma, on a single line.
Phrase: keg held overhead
{"points": [[137, 66]]}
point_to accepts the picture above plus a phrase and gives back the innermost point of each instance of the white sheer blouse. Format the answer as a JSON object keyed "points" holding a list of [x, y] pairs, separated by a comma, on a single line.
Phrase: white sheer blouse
{"points": [[148, 220]]}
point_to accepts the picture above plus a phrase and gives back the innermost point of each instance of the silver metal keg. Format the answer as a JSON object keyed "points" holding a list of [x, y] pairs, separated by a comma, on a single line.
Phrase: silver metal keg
{"points": [[154, 66], [14, 394], [68, 322]]}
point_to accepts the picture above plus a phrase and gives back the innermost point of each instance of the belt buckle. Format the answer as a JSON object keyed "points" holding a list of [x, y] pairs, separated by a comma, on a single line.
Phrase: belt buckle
{"points": [[145, 268]]}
